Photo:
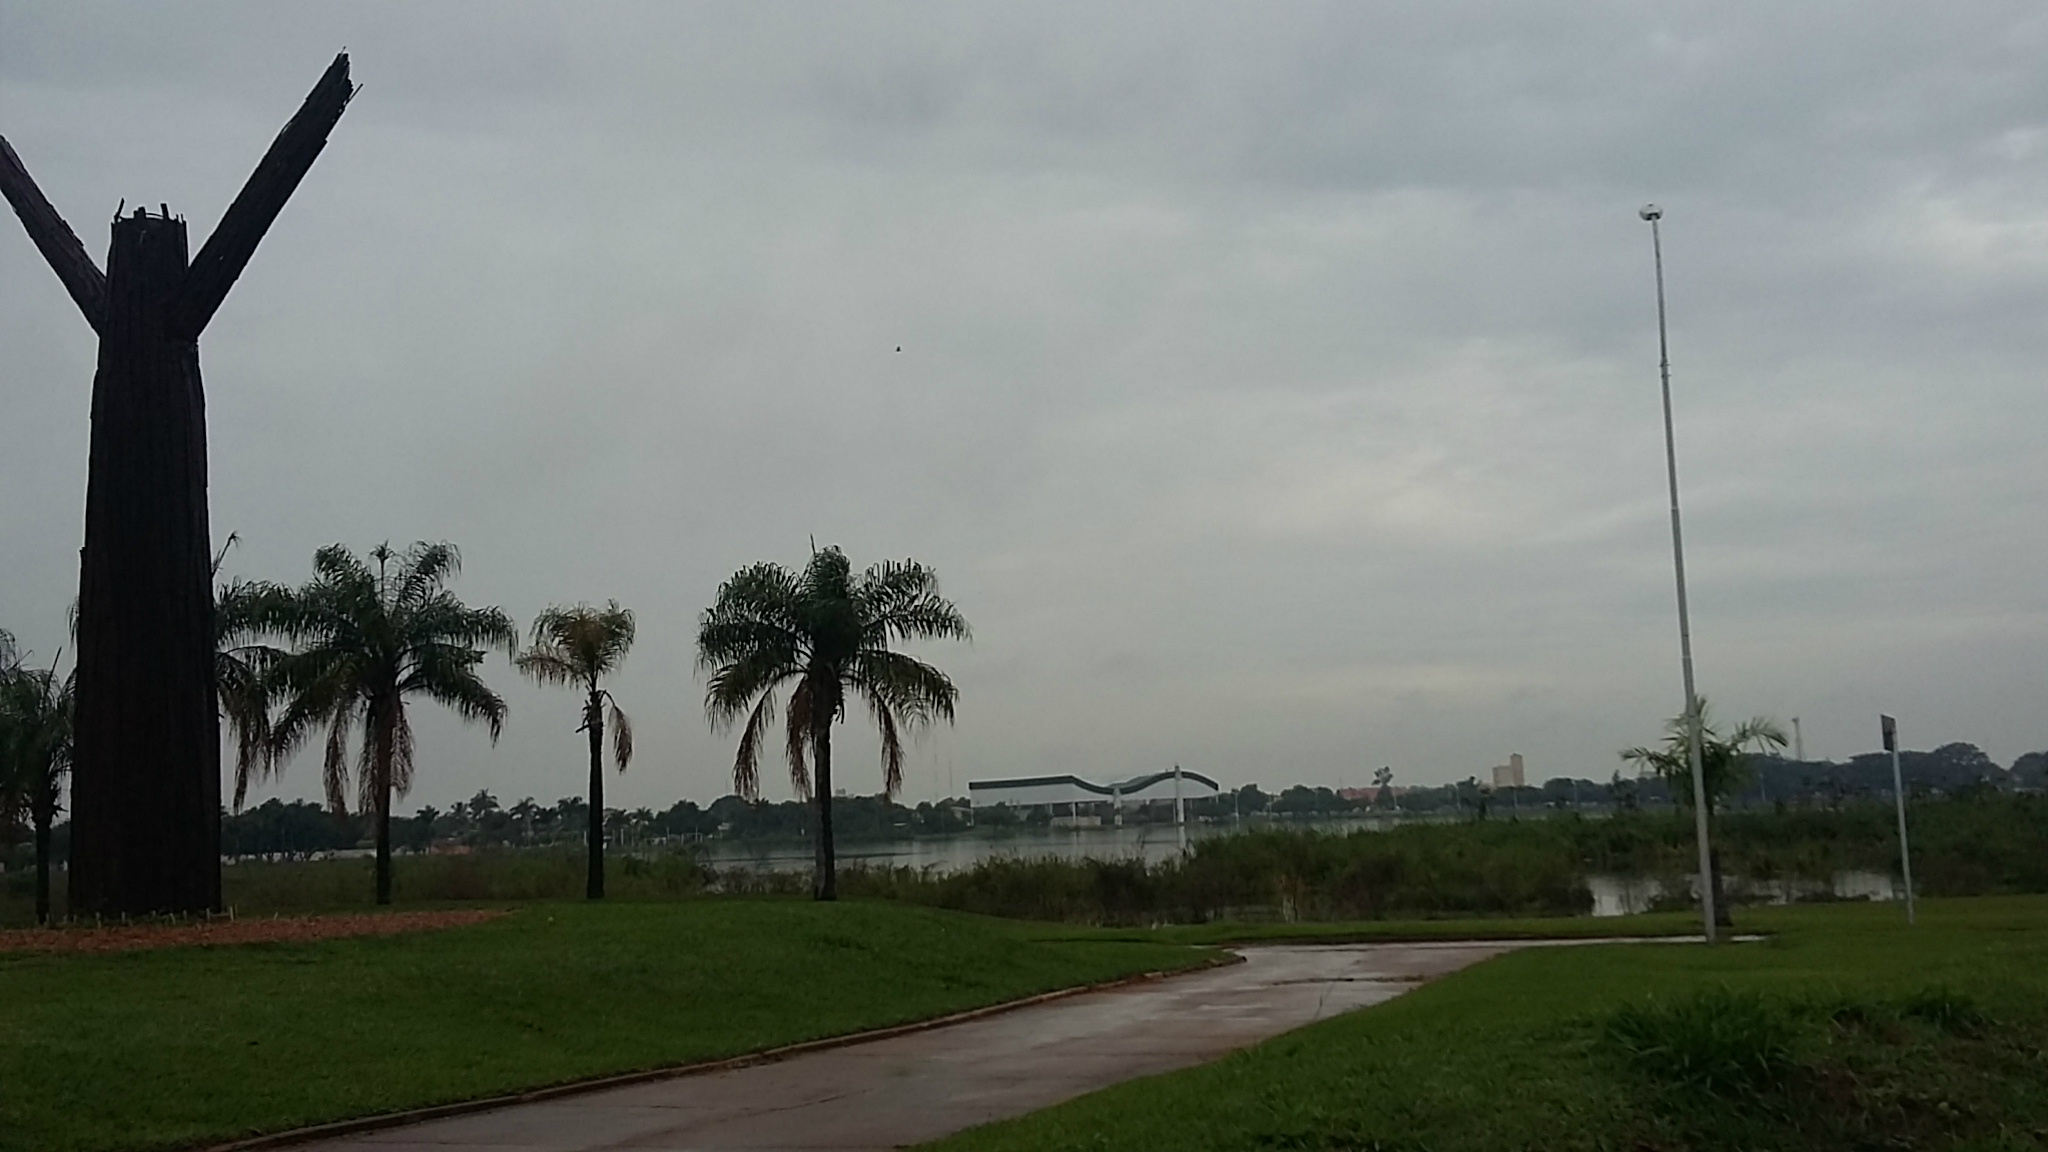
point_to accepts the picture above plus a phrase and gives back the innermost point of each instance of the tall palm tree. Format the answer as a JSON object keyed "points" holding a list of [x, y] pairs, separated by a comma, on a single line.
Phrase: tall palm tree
{"points": [[581, 646], [35, 752], [365, 641], [824, 632]]}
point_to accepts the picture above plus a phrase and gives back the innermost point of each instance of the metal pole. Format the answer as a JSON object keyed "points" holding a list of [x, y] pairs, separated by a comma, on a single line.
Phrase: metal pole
{"points": [[1798, 742], [1180, 815], [1654, 214], [1890, 727]]}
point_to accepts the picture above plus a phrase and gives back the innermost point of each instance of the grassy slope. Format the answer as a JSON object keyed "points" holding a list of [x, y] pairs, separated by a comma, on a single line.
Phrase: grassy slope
{"points": [[1508, 1054], [182, 1046]]}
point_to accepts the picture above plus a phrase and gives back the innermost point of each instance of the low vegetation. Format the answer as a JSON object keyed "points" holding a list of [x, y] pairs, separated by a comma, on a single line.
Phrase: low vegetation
{"points": [[1983, 845], [1846, 1030], [178, 1047]]}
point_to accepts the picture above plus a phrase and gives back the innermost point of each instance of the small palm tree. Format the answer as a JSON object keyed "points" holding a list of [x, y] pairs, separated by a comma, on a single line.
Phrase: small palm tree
{"points": [[35, 751], [1723, 759], [581, 646], [1723, 769], [824, 632], [365, 641]]}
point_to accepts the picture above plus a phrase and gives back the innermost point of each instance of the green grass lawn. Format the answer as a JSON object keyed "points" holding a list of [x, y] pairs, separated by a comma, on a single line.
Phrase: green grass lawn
{"points": [[177, 1047], [1844, 1030]]}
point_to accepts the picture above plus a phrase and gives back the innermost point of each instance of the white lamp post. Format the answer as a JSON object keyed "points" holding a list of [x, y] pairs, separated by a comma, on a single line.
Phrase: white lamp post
{"points": [[1654, 214]]}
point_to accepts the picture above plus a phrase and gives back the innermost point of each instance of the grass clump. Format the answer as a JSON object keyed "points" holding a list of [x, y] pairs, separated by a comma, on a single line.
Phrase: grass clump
{"points": [[1945, 1008], [1720, 1040]]}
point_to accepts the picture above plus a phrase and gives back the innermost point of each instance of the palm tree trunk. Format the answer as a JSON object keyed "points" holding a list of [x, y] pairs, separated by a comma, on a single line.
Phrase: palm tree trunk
{"points": [[382, 769], [825, 886], [44, 817], [593, 721]]}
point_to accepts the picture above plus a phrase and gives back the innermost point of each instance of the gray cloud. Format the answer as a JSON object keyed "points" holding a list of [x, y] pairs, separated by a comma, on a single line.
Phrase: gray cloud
{"points": [[1278, 385]]}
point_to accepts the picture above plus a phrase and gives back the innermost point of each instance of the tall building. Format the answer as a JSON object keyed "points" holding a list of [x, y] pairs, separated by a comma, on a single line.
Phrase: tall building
{"points": [[1509, 775]]}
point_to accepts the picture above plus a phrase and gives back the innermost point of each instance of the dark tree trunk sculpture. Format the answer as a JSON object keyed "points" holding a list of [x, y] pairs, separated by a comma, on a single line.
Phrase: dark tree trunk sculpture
{"points": [[145, 778]]}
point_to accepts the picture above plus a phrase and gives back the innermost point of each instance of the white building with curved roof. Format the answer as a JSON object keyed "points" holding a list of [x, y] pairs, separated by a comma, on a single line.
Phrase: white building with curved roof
{"points": [[1037, 791]]}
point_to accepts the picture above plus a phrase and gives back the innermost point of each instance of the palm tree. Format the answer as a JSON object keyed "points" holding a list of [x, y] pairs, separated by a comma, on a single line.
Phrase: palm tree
{"points": [[240, 670], [35, 751], [1723, 769], [365, 641], [1723, 760], [824, 632], [581, 646]]}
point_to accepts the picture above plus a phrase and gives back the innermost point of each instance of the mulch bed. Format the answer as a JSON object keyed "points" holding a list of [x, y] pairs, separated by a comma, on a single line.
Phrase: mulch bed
{"points": [[190, 933]]}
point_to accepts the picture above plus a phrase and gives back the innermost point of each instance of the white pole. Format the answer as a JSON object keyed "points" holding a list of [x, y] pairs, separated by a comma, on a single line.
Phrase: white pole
{"points": [[1180, 814], [1653, 214], [1890, 728]]}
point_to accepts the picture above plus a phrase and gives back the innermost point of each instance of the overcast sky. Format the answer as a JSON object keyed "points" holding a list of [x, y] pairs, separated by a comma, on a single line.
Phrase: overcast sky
{"points": [[1277, 393]]}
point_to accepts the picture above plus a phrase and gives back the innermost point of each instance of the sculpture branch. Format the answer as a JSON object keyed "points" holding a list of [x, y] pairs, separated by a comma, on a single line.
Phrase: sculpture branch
{"points": [[53, 237], [228, 250]]}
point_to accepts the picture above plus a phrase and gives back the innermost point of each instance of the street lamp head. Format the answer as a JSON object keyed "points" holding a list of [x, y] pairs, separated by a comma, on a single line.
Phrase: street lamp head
{"points": [[1650, 212]]}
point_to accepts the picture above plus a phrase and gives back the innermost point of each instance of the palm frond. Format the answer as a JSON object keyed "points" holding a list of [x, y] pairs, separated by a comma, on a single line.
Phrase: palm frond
{"points": [[334, 768], [423, 569], [622, 737], [797, 730], [545, 666], [759, 609], [901, 601], [244, 692], [746, 765], [733, 687], [461, 690], [440, 618], [892, 747], [915, 691], [401, 750]]}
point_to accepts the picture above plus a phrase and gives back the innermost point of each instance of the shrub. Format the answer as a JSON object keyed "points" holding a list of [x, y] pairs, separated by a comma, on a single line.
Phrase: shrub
{"points": [[1716, 1040], [1951, 1011]]}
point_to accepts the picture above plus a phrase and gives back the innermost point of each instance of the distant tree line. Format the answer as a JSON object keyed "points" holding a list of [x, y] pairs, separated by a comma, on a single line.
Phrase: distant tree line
{"points": [[300, 828]]}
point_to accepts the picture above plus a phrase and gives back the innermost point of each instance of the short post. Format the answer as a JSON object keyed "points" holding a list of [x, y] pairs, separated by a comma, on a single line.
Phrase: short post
{"points": [[1890, 729]]}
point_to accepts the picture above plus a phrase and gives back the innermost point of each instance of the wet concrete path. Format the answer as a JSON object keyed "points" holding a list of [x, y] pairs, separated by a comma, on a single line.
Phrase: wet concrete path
{"points": [[917, 1087]]}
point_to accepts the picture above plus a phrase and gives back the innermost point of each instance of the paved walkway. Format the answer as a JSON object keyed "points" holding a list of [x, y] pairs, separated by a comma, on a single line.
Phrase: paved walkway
{"points": [[921, 1086]]}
